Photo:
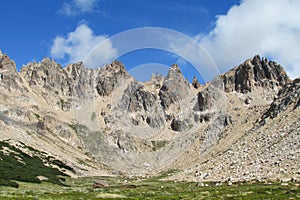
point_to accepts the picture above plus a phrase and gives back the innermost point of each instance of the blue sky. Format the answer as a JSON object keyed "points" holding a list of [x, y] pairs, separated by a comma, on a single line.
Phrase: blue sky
{"points": [[230, 31]]}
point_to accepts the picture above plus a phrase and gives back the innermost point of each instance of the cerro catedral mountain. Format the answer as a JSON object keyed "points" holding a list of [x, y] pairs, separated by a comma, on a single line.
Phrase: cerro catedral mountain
{"points": [[243, 125]]}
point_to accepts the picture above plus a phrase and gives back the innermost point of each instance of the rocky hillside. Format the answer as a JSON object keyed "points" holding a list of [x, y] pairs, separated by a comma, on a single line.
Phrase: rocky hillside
{"points": [[244, 124]]}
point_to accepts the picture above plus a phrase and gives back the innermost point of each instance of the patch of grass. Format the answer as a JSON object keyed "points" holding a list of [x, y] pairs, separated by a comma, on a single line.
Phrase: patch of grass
{"points": [[78, 128], [158, 144], [93, 116], [124, 188], [92, 140], [163, 175]]}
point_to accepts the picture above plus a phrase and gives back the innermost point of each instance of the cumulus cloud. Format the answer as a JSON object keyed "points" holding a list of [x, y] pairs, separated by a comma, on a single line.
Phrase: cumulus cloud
{"points": [[77, 45], [76, 7], [265, 27]]}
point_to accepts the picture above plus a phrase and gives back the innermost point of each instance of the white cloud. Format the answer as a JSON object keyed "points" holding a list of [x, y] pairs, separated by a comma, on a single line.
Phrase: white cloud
{"points": [[78, 44], [76, 7], [265, 27]]}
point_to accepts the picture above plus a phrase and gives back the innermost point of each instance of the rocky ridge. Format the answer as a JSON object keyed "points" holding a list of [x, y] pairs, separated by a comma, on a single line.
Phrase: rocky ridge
{"points": [[103, 121]]}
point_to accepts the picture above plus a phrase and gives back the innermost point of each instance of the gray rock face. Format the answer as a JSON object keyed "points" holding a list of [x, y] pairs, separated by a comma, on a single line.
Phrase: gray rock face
{"points": [[203, 117], [109, 77], [214, 132], [208, 98], [174, 88], [255, 72], [287, 97], [82, 79], [137, 99], [155, 121], [180, 125]]}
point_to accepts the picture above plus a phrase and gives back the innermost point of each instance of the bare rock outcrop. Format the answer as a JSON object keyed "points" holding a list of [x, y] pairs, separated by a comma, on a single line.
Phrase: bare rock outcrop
{"points": [[208, 98], [82, 79], [47, 75], [136, 99], [174, 88], [287, 98], [196, 83], [255, 72], [9, 78], [109, 77]]}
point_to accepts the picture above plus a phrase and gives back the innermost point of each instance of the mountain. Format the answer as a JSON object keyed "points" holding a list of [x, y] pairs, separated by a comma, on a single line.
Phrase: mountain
{"points": [[243, 125]]}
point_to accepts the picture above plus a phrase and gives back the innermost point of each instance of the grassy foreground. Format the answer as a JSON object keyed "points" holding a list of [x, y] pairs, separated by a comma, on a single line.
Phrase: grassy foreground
{"points": [[19, 170], [121, 188]]}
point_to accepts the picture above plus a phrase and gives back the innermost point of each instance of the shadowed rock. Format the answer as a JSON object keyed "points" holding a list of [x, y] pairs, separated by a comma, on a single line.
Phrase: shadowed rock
{"points": [[195, 83], [287, 97]]}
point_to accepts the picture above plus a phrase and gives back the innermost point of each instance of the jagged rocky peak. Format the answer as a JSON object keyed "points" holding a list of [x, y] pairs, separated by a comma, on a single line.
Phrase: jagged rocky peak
{"points": [[44, 65], [74, 70], [36, 72], [174, 88], [7, 63], [82, 80], [287, 98], [157, 78], [47, 75], [196, 83], [155, 82], [254, 72], [174, 72], [115, 68], [109, 77], [9, 76]]}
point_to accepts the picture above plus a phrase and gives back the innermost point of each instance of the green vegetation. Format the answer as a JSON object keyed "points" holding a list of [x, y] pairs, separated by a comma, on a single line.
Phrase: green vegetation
{"points": [[122, 188], [78, 128], [64, 105], [93, 117], [15, 165], [38, 117], [158, 144], [93, 140]]}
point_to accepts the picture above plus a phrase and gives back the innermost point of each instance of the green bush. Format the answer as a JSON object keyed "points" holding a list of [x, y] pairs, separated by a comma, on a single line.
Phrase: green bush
{"points": [[19, 166]]}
